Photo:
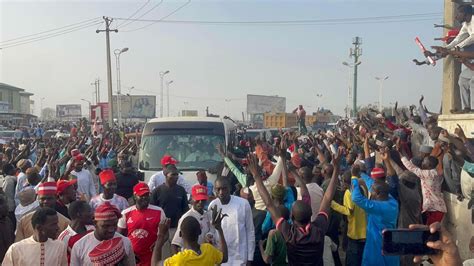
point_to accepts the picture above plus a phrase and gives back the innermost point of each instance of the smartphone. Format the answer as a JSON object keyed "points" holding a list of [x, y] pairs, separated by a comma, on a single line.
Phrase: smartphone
{"points": [[407, 242]]}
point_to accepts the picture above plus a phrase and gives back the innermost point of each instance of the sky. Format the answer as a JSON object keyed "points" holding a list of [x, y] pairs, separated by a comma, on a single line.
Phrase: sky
{"points": [[211, 63]]}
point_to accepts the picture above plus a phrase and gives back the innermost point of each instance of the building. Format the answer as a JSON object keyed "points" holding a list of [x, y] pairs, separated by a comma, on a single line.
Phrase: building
{"points": [[15, 105]]}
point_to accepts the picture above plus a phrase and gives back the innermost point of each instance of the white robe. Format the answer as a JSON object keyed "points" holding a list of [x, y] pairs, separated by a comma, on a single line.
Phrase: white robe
{"points": [[30, 252]]}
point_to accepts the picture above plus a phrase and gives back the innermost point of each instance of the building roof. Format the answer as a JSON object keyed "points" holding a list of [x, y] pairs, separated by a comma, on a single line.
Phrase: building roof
{"points": [[10, 87], [24, 93]]}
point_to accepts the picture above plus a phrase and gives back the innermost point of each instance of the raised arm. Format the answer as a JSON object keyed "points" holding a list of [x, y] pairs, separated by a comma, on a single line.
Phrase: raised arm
{"points": [[330, 191]]}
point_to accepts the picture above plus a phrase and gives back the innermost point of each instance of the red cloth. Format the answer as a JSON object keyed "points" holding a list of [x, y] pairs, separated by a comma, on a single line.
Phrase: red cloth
{"points": [[377, 173], [108, 252], [167, 159]]}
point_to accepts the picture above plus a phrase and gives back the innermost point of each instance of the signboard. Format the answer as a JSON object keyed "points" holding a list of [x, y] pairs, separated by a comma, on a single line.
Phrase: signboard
{"points": [[189, 113], [259, 104], [68, 111], [100, 111], [135, 106]]}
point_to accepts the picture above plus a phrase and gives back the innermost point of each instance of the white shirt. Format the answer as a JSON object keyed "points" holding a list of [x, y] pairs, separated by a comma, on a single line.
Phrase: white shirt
{"points": [[268, 183], [316, 194], [238, 230], [159, 179], [20, 184], [65, 235], [85, 183], [21, 210], [465, 36], [30, 252], [82, 248], [203, 219], [120, 202]]}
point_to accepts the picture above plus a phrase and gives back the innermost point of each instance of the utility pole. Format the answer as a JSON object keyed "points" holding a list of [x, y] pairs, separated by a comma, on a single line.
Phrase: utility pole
{"points": [[355, 52], [107, 31], [97, 90]]}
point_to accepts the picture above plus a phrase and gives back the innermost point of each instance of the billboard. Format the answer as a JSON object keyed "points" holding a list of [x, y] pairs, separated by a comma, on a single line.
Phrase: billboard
{"points": [[100, 111], [259, 104], [68, 111], [135, 106]]}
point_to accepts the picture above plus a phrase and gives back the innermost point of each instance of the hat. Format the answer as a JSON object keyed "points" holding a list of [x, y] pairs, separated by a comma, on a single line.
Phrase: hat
{"points": [[31, 170], [141, 189], [426, 149], [377, 173], [167, 159], [62, 185], [47, 188], [106, 175], [108, 252], [106, 212], [79, 157], [443, 139], [75, 152], [199, 192], [379, 116]]}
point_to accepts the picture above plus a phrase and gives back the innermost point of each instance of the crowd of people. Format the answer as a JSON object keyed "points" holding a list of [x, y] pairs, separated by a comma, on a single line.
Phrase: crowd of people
{"points": [[302, 198]]}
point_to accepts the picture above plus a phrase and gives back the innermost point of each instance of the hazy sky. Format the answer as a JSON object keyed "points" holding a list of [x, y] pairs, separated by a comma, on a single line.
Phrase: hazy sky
{"points": [[211, 63]]}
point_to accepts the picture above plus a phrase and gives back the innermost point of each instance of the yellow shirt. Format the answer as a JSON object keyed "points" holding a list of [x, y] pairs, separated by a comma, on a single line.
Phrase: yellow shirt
{"points": [[356, 217], [209, 256]]}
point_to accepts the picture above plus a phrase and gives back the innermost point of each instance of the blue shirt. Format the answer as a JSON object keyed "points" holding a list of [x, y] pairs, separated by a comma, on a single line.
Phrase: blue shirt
{"points": [[380, 215]]}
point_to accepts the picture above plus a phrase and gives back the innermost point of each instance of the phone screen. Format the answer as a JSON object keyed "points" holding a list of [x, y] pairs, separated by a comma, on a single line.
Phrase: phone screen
{"points": [[408, 242]]}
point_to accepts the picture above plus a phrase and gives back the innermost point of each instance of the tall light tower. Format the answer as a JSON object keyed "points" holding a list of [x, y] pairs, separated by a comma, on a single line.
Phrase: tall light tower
{"points": [[162, 75], [168, 97], [381, 80], [355, 52], [117, 53]]}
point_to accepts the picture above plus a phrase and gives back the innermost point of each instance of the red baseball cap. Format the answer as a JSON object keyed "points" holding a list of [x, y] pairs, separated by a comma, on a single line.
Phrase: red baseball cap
{"points": [[62, 185], [167, 159], [79, 157], [141, 189], [199, 192]]}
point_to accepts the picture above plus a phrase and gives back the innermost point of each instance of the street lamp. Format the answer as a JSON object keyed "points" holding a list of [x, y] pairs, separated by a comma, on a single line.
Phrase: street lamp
{"points": [[381, 80], [162, 74], [318, 95], [89, 107], [117, 53], [354, 88], [168, 98]]}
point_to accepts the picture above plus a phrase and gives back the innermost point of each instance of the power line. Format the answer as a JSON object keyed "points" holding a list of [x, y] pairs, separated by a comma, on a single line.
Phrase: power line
{"points": [[142, 15], [165, 17], [394, 18], [56, 29], [48, 36], [134, 13]]}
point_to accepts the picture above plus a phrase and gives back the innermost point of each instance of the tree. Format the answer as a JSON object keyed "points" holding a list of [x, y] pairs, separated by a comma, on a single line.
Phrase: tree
{"points": [[48, 113]]}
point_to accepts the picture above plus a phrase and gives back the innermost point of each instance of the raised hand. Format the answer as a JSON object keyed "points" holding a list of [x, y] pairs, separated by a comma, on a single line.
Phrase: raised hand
{"points": [[253, 166], [217, 217], [163, 229]]}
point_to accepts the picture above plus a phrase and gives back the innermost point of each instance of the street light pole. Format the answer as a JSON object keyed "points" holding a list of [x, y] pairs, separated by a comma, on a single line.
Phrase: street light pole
{"points": [[168, 97], [354, 95], [381, 80], [162, 74], [41, 107], [117, 53], [89, 107]]}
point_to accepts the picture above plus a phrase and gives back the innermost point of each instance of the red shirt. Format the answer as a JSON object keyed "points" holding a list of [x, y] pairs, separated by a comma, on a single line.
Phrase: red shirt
{"points": [[142, 229]]}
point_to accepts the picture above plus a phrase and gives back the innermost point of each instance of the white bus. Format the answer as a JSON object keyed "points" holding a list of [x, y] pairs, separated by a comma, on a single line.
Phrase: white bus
{"points": [[190, 140]]}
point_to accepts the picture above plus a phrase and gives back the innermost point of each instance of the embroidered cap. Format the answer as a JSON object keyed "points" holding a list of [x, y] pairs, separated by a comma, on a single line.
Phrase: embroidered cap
{"points": [[47, 188], [377, 173], [106, 212], [108, 252]]}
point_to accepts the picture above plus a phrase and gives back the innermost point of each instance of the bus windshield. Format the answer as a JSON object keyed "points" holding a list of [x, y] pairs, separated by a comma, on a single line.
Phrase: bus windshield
{"points": [[193, 151]]}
